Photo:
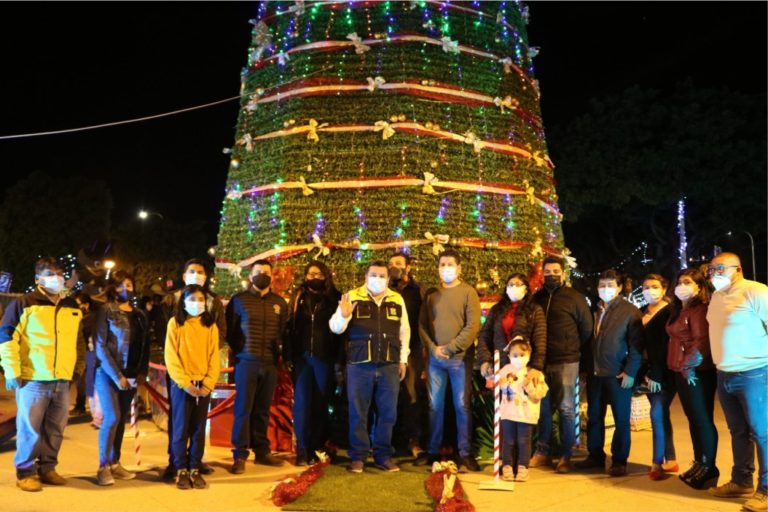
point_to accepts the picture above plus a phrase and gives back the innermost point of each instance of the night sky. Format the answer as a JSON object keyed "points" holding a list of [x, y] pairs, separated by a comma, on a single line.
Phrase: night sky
{"points": [[71, 65]]}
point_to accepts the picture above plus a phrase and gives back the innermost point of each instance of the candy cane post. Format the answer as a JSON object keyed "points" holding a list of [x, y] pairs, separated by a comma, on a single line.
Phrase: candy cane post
{"points": [[578, 412], [135, 428], [497, 484]]}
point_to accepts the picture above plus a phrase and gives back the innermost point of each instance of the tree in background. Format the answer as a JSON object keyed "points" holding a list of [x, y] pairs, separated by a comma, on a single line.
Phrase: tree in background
{"points": [[372, 126]]}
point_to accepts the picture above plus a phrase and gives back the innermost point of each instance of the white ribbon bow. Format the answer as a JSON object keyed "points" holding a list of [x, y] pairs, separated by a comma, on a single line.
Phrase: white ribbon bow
{"points": [[232, 268], [529, 192], [533, 51], [507, 102], [247, 140], [282, 58], [360, 48], [304, 187], [297, 8], [437, 242], [429, 181], [471, 138], [322, 249], [375, 83], [449, 46], [537, 250], [507, 63], [312, 132], [386, 130]]}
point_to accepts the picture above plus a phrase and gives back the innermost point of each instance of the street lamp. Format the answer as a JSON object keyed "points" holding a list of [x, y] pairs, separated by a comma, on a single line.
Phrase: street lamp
{"points": [[144, 214], [109, 265], [752, 247]]}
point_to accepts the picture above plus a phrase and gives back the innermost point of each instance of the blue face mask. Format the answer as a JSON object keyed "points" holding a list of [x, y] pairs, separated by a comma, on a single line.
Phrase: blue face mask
{"points": [[194, 308]]}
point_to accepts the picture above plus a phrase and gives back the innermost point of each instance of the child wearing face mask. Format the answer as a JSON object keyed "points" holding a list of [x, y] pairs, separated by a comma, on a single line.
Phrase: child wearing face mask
{"points": [[191, 356], [520, 407]]}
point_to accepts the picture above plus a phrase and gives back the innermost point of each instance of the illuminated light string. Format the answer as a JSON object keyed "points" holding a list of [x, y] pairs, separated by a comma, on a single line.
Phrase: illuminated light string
{"points": [[682, 250], [642, 247]]}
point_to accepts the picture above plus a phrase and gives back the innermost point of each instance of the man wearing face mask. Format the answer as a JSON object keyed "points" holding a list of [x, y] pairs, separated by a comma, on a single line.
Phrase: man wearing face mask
{"points": [[195, 272], [448, 325], [738, 335], [375, 321], [414, 387], [569, 329], [41, 352], [616, 350], [256, 324]]}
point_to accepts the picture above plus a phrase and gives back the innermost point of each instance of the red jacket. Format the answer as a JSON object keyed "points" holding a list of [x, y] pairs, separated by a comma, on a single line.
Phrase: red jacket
{"points": [[689, 341]]}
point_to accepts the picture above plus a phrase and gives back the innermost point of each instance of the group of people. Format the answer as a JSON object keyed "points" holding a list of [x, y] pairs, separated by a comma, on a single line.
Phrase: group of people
{"points": [[398, 347]]}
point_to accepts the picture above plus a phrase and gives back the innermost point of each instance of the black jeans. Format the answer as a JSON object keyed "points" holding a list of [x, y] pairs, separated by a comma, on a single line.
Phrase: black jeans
{"points": [[698, 403], [601, 392], [254, 384]]}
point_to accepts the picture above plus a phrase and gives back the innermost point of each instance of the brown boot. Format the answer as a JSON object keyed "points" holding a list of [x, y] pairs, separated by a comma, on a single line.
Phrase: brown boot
{"points": [[29, 484], [51, 477], [539, 459]]}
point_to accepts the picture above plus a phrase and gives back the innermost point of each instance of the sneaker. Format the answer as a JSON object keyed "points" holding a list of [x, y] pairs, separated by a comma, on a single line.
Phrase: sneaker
{"points": [[540, 459], [205, 469], [104, 476], [617, 470], [522, 474], [670, 466], [269, 460], [469, 462], [196, 479], [77, 412], [656, 472], [29, 484], [507, 473], [355, 466], [757, 503], [238, 467], [119, 472], [564, 465], [51, 477], [169, 475], [590, 462], [182, 480], [388, 466], [426, 460], [732, 490]]}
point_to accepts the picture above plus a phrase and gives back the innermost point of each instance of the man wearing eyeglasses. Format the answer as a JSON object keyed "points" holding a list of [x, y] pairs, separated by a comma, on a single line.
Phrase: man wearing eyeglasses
{"points": [[738, 334]]}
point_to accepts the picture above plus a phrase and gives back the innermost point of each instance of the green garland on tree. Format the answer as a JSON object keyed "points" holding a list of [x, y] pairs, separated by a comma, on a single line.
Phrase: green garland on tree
{"points": [[367, 127]]}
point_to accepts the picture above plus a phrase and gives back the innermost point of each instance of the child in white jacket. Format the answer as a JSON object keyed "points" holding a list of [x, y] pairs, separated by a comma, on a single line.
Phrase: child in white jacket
{"points": [[520, 405]]}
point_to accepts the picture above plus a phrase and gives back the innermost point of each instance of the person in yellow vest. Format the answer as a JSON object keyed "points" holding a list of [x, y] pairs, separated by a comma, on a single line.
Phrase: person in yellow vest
{"points": [[377, 345], [41, 351]]}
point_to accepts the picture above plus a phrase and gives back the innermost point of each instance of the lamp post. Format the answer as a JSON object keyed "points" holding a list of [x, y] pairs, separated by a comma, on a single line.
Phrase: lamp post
{"points": [[144, 214], [109, 265], [752, 247]]}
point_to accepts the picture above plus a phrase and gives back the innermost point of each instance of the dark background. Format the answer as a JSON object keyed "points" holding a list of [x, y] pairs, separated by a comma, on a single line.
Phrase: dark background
{"points": [[67, 65]]}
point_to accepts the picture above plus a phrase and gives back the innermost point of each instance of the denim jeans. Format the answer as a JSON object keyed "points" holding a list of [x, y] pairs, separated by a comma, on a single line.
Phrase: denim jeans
{"points": [[441, 371], [663, 441], [311, 393], [116, 406], [698, 403], [561, 379], [412, 402], [42, 413], [255, 384], [379, 382], [516, 443], [189, 418], [745, 404], [601, 392]]}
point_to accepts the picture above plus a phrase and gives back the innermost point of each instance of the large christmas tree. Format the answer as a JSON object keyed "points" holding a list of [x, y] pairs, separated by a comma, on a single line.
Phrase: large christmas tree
{"points": [[368, 127]]}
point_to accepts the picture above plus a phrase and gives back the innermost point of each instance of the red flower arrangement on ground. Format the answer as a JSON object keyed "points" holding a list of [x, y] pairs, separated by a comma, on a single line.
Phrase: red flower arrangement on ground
{"points": [[291, 489], [445, 488]]}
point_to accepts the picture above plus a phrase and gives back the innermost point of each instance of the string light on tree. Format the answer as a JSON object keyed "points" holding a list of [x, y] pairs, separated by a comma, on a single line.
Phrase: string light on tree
{"points": [[682, 250]]}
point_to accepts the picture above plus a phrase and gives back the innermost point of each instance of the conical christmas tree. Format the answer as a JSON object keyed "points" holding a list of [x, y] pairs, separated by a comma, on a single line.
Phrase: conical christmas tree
{"points": [[368, 127]]}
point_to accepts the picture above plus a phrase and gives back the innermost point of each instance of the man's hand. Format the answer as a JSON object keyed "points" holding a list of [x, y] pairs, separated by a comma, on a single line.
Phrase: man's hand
{"points": [[11, 384], [653, 386], [402, 370], [486, 370], [347, 306], [442, 353], [123, 383], [626, 381], [533, 375]]}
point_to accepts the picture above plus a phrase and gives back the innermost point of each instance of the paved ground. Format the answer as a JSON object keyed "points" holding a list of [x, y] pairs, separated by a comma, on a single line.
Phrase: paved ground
{"points": [[546, 491]]}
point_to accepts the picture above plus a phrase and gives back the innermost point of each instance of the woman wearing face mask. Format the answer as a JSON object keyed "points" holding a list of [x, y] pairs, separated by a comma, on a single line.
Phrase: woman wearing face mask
{"points": [[192, 358], [122, 350], [659, 380], [516, 314], [689, 357], [311, 349]]}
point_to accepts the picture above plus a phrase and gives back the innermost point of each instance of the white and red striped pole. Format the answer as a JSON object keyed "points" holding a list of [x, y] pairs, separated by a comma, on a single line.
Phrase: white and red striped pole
{"points": [[135, 428], [496, 415]]}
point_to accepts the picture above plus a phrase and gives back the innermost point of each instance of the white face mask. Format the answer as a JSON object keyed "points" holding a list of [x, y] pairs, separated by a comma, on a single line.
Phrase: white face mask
{"points": [[516, 292], [52, 284], [720, 282], [607, 294], [194, 308], [684, 292], [194, 278], [448, 274], [376, 285], [518, 363], [653, 295]]}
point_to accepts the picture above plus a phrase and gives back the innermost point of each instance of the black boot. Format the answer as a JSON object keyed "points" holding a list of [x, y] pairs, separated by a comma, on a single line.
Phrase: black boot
{"points": [[686, 476], [704, 478]]}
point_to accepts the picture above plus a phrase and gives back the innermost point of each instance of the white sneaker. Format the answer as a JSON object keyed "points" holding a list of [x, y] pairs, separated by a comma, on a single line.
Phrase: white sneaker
{"points": [[119, 472], [104, 476], [507, 474], [522, 474]]}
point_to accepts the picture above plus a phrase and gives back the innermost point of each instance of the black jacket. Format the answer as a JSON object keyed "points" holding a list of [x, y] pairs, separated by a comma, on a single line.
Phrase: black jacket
{"points": [[256, 326], [411, 293], [569, 323], [656, 343], [529, 323], [618, 345], [122, 341], [308, 330]]}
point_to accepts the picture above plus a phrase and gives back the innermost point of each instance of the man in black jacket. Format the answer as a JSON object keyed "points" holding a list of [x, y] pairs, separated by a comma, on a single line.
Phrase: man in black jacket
{"points": [[616, 351], [569, 328], [256, 321]]}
